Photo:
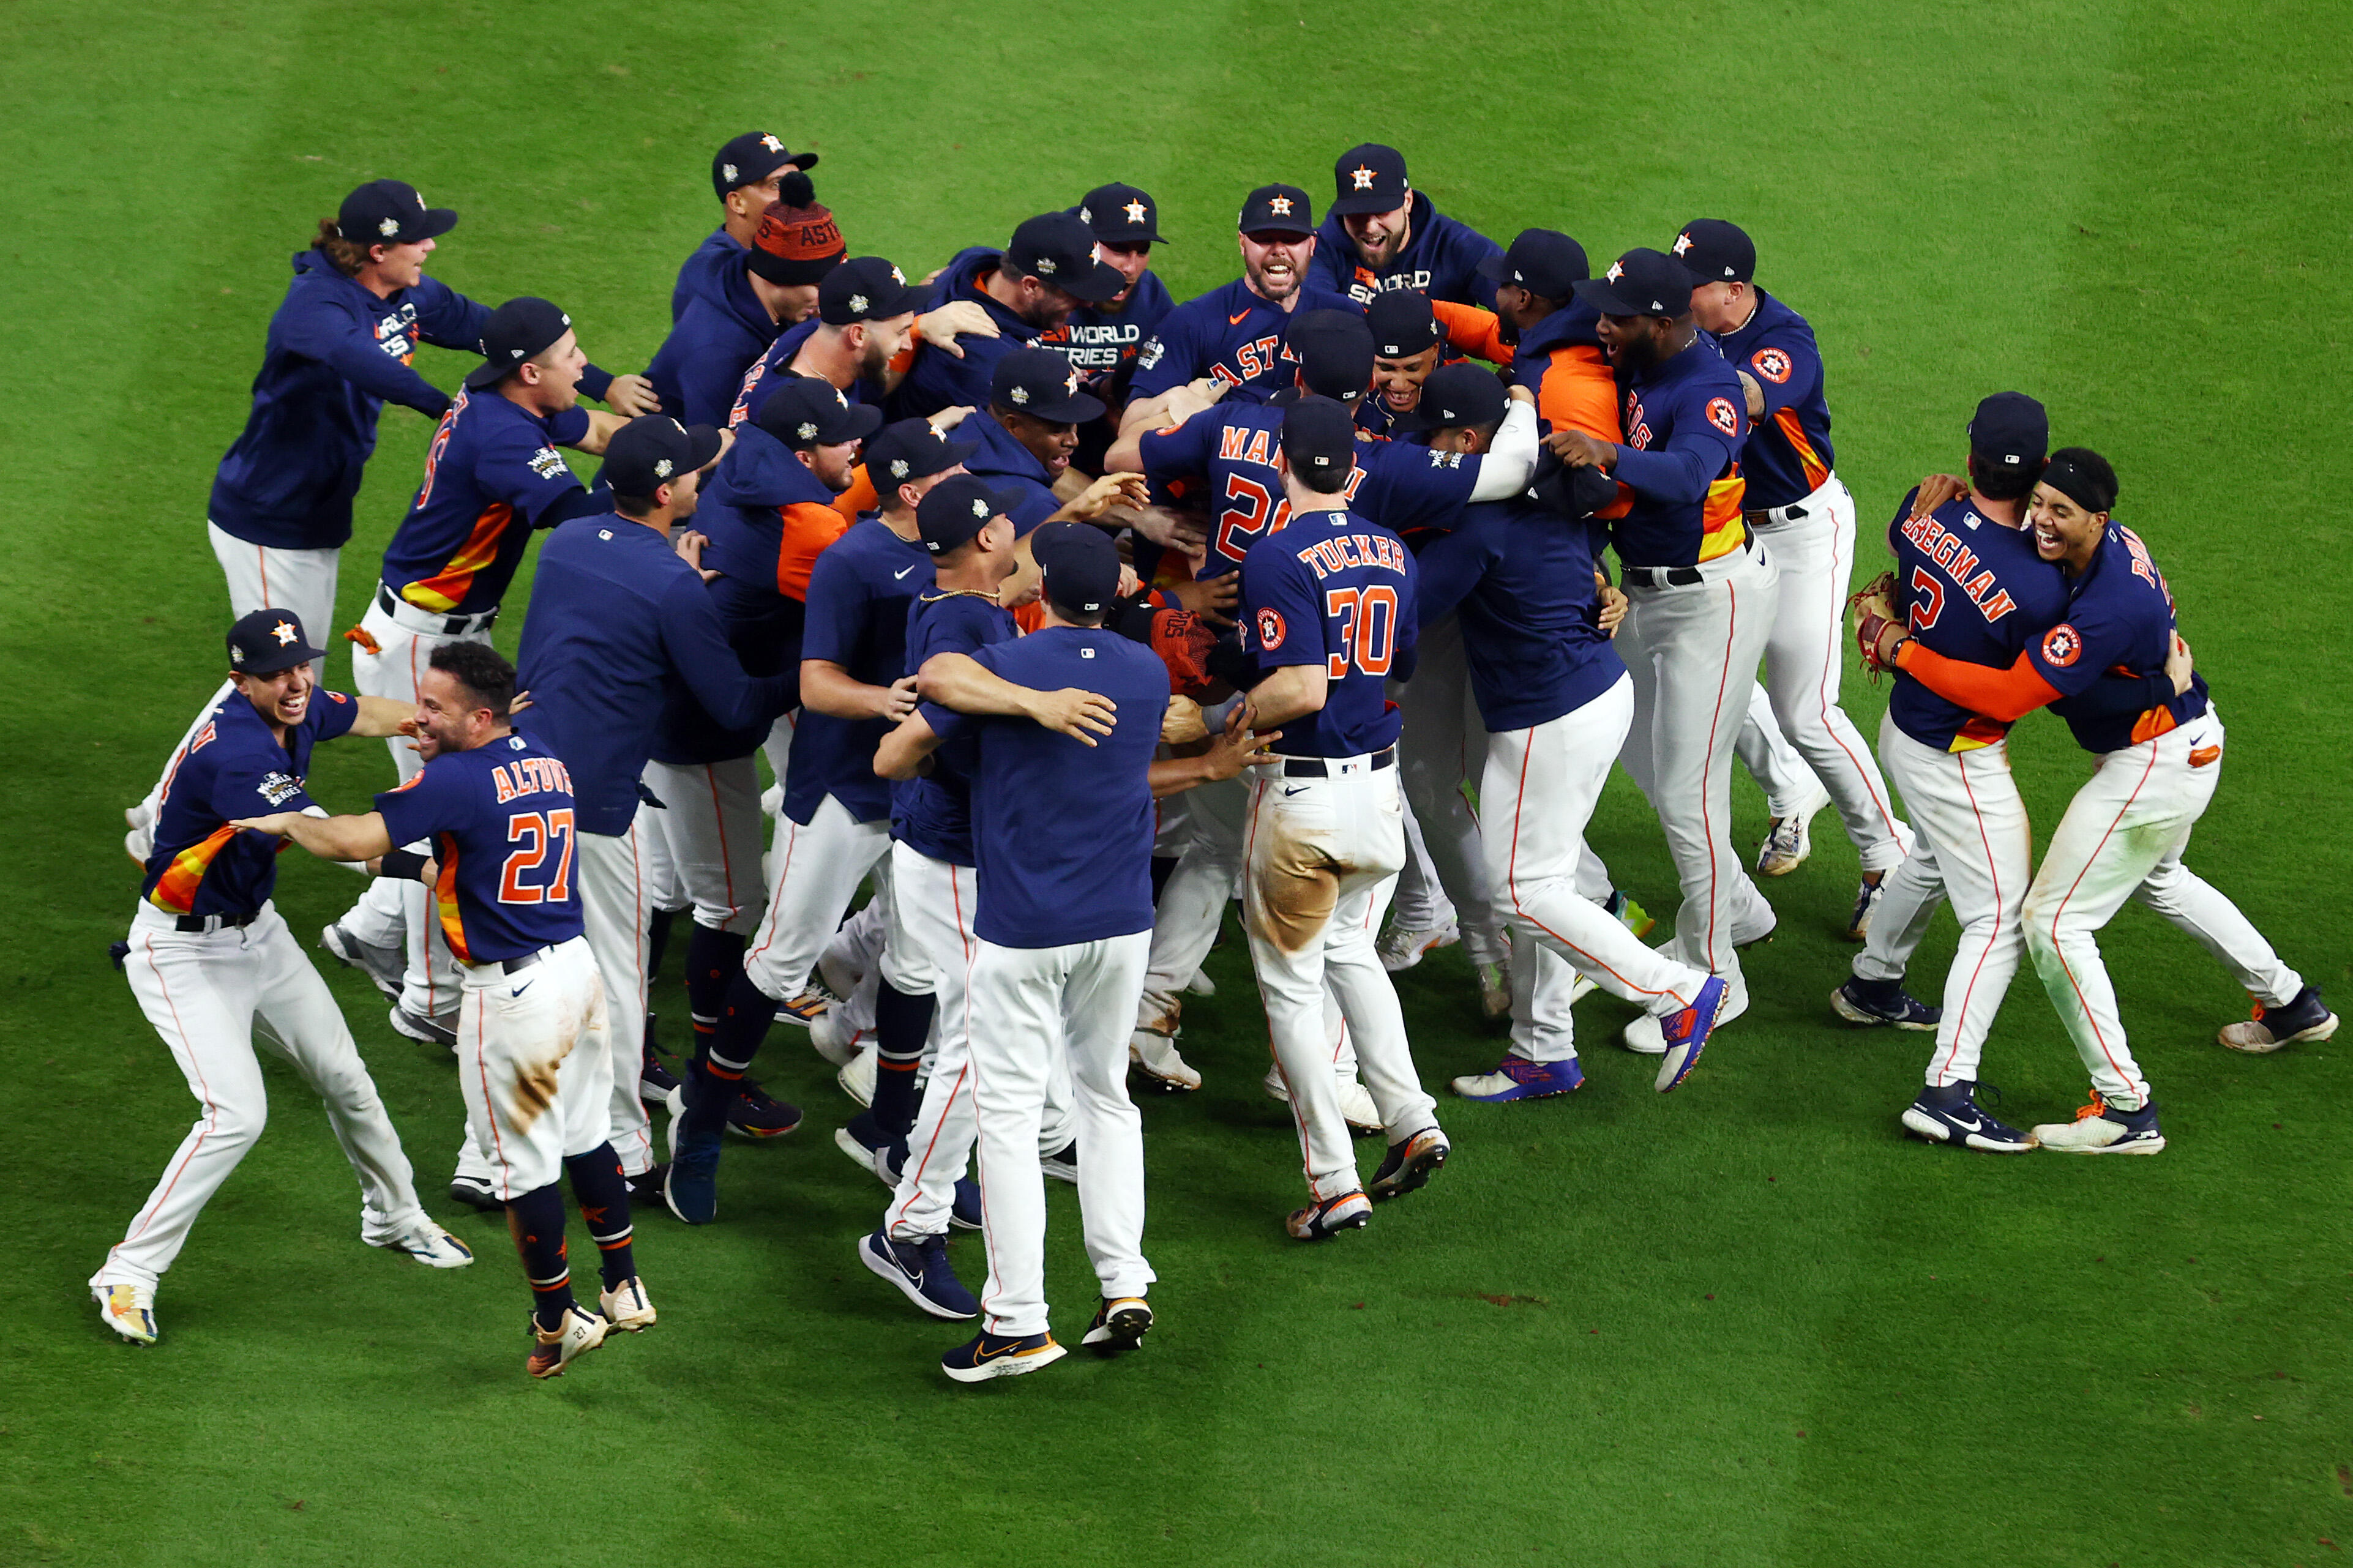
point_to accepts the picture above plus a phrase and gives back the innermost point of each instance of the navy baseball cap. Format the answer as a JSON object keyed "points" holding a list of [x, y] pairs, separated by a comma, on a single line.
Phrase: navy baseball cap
{"points": [[2009, 428], [1544, 261], [1462, 394], [1280, 209], [751, 158], [1121, 215], [865, 289], [516, 331], [1370, 179], [1639, 283], [1058, 249], [911, 449], [390, 212], [808, 411], [653, 450], [1042, 384], [1334, 351], [1715, 251], [1403, 324], [268, 641], [1319, 434], [955, 510], [1079, 563]]}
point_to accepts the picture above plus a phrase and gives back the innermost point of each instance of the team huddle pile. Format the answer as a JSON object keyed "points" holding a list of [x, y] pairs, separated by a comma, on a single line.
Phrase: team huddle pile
{"points": [[1059, 609]]}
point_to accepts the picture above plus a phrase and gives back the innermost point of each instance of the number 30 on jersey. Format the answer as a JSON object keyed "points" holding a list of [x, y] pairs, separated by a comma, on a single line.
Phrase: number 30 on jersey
{"points": [[1365, 628]]}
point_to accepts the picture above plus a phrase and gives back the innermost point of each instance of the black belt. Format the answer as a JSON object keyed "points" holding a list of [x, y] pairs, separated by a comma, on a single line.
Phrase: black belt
{"points": [[1676, 576], [200, 923], [517, 966], [1316, 768], [451, 626], [1764, 519]]}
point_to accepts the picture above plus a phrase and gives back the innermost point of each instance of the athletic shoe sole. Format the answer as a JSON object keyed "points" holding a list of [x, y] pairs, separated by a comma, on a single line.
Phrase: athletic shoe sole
{"points": [[1122, 1331], [2319, 1031], [866, 1159], [1930, 1130], [1007, 1365]]}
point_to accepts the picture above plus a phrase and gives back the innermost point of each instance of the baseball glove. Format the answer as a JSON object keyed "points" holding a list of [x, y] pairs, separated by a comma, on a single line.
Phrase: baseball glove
{"points": [[1874, 611]]}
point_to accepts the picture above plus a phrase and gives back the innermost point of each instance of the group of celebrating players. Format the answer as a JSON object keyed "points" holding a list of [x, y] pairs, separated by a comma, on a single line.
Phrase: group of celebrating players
{"points": [[1060, 610]]}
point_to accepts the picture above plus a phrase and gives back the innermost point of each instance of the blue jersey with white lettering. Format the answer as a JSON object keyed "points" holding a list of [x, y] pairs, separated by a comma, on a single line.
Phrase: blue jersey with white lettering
{"points": [[1062, 830], [859, 593], [1441, 260], [1335, 590], [234, 767], [1787, 457], [491, 475], [1228, 451], [2119, 622], [932, 815], [1232, 335], [1523, 576], [1103, 343], [1971, 589], [501, 821], [1685, 420]]}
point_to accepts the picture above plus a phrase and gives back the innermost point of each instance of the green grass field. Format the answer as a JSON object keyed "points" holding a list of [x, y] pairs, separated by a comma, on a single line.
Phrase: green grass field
{"points": [[1749, 1324]]}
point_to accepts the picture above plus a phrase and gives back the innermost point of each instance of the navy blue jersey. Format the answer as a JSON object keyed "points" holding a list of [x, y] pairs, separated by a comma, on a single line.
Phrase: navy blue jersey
{"points": [[1229, 333], [1441, 260], [1971, 589], [234, 767], [1103, 343], [699, 272], [1333, 590], [491, 475], [614, 614], [859, 593], [1684, 421], [940, 380], [2119, 622], [1009, 467], [760, 379], [1788, 452], [1522, 577], [700, 367], [501, 821], [932, 815], [1062, 830]]}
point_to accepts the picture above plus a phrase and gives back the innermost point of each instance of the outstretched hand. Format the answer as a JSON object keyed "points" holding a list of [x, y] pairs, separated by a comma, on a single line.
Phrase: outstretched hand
{"points": [[1080, 715], [1238, 746]]}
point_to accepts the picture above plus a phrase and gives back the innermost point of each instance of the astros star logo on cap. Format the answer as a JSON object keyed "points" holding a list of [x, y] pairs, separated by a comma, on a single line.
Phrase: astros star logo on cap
{"points": [[284, 631], [1134, 212], [771, 144], [1683, 245], [1363, 176], [1617, 271], [1280, 206], [939, 435], [1071, 385]]}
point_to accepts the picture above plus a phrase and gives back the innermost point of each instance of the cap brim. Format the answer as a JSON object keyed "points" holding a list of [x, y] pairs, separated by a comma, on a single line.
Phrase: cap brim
{"points": [[439, 221], [1103, 283], [280, 658], [703, 446], [487, 374], [1495, 269], [1076, 409], [1597, 292], [801, 161], [1365, 202], [864, 420]]}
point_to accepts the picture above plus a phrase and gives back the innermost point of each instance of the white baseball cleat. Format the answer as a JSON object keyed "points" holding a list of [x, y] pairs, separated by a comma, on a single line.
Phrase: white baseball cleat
{"points": [[2303, 1017], [856, 1074], [580, 1332], [1157, 1057], [128, 1310], [1401, 949], [1790, 840], [426, 1242], [626, 1308], [1364, 1118], [832, 1038], [2101, 1128]]}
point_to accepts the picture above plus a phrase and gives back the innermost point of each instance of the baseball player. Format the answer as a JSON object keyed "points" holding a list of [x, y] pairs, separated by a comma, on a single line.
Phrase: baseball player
{"points": [[1381, 234], [1063, 835], [2116, 670], [492, 475], [1972, 587], [1234, 334], [1798, 509], [616, 613], [1700, 593], [208, 955], [1412, 336], [1328, 610], [965, 528], [1103, 339], [801, 450], [1027, 434], [746, 174], [498, 814], [1026, 290], [1554, 702], [750, 296]]}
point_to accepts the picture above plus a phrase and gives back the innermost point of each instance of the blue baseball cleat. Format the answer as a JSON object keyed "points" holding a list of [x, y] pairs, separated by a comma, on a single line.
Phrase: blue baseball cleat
{"points": [[1686, 1033], [1000, 1355], [1950, 1113], [1876, 1002], [691, 1189], [920, 1271], [1516, 1078]]}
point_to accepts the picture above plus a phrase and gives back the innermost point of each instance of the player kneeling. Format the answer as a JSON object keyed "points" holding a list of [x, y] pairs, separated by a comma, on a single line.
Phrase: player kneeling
{"points": [[531, 1047]]}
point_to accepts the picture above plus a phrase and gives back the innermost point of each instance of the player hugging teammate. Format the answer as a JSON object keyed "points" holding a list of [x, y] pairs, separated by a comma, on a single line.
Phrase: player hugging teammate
{"points": [[1062, 610]]}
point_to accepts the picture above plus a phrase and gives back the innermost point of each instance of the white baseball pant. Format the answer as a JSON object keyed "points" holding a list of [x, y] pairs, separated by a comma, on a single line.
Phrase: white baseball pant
{"points": [[398, 912], [1812, 543], [1192, 905], [609, 870], [817, 869], [1027, 1005], [1320, 857], [1693, 651], [1421, 902], [205, 992], [1970, 843], [710, 830], [1442, 743], [1788, 785], [534, 1066], [2122, 839], [262, 577], [1539, 790]]}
